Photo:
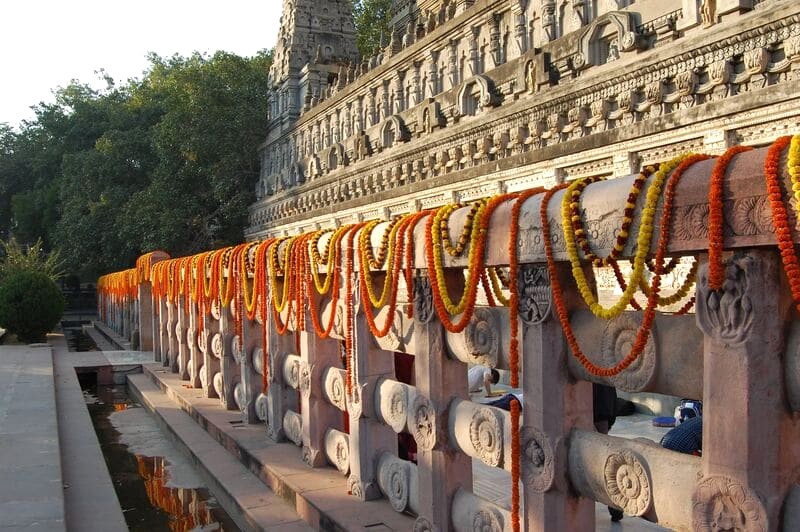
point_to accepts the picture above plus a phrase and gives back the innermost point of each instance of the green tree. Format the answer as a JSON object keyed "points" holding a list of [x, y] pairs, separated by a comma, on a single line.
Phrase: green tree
{"points": [[372, 19]]}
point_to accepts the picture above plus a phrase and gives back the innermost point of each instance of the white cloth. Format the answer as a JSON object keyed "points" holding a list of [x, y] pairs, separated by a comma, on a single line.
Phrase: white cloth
{"points": [[475, 377]]}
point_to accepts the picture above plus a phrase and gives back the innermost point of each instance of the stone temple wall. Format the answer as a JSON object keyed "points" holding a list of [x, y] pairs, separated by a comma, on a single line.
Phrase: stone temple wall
{"points": [[469, 98]]}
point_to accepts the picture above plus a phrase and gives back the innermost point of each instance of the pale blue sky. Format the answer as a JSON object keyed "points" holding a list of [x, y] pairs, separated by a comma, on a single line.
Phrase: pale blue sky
{"points": [[46, 43]]}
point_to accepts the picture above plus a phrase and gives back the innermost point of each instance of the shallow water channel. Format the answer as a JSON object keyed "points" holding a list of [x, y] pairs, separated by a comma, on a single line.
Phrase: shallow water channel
{"points": [[157, 487]]}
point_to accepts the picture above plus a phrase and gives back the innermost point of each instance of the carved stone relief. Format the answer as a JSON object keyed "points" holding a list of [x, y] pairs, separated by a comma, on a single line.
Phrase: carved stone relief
{"points": [[487, 520], [726, 315], [535, 296], [216, 345], [395, 479], [261, 405], [422, 422], [293, 427], [628, 482], [335, 388], [258, 361], [538, 465], [724, 503], [618, 338], [218, 384], [394, 406], [239, 396], [423, 299], [486, 435], [422, 524], [304, 378]]}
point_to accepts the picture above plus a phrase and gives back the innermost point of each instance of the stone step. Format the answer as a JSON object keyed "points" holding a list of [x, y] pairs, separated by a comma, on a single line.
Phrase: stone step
{"points": [[244, 497], [319, 496]]}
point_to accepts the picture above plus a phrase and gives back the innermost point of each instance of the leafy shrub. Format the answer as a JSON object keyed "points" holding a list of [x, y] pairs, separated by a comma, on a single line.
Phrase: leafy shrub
{"points": [[15, 258], [30, 305]]}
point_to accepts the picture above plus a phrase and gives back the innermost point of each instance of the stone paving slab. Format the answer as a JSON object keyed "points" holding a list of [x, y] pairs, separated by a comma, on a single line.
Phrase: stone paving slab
{"points": [[31, 493], [320, 496], [233, 485]]}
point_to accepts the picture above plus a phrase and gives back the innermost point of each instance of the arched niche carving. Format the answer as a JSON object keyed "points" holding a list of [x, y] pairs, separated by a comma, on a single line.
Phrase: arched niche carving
{"points": [[606, 38], [393, 131], [475, 95]]}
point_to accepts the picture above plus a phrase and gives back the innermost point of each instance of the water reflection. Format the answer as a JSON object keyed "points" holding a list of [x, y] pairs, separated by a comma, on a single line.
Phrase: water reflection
{"points": [[187, 508], [141, 482]]}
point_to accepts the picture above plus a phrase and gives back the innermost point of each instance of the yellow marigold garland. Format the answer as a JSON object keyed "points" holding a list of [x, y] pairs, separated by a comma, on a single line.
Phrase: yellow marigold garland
{"points": [[642, 245]]}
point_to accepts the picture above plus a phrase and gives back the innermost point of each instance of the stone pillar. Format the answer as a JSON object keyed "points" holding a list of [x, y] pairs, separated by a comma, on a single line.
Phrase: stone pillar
{"points": [[368, 435], [439, 380], [553, 404], [171, 359], [229, 364], [182, 332], [161, 346], [743, 482], [251, 377], [146, 321], [281, 395], [319, 415], [193, 339]]}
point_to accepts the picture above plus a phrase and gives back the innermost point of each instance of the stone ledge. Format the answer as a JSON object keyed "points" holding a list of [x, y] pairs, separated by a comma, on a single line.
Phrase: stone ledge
{"points": [[319, 496]]}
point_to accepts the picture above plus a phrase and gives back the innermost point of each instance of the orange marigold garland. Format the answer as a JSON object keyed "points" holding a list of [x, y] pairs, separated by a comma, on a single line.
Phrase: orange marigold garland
{"points": [[716, 270], [643, 333], [780, 218], [433, 248]]}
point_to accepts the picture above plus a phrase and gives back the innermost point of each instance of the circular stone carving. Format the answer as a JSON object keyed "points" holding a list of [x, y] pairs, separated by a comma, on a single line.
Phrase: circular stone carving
{"points": [[239, 396], [618, 337], [723, 503], [202, 341], [423, 423], [752, 216], [481, 337], [305, 378], [216, 345], [485, 520], [217, 381], [486, 436], [293, 374], [237, 349], [179, 334], [293, 427], [262, 402], [424, 525], [216, 311], [203, 378], [397, 413], [258, 360], [342, 455], [354, 487], [537, 460], [397, 486], [627, 483], [334, 389]]}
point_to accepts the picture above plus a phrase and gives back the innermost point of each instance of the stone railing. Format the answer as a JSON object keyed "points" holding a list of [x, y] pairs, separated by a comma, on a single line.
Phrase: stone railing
{"points": [[739, 354]]}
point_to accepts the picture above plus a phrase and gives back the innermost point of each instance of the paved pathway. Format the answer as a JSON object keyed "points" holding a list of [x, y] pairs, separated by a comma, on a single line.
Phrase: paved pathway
{"points": [[31, 492]]}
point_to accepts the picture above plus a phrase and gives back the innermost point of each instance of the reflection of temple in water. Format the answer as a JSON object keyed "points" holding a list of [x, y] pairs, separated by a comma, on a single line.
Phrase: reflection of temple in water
{"points": [[185, 506]]}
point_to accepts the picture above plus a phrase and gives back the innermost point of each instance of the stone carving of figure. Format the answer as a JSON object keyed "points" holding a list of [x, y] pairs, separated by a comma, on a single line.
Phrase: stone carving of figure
{"points": [[708, 11], [530, 77], [613, 50]]}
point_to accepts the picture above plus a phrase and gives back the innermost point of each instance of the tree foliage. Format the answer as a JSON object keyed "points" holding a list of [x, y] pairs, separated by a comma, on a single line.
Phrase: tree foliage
{"points": [[372, 19], [15, 258], [167, 161]]}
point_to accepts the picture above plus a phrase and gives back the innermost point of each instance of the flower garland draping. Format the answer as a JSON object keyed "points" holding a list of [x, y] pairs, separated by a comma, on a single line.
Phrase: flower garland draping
{"points": [[716, 271], [289, 277]]}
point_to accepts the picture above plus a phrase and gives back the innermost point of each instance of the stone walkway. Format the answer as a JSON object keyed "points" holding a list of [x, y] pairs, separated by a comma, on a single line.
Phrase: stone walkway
{"points": [[31, 492]]}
